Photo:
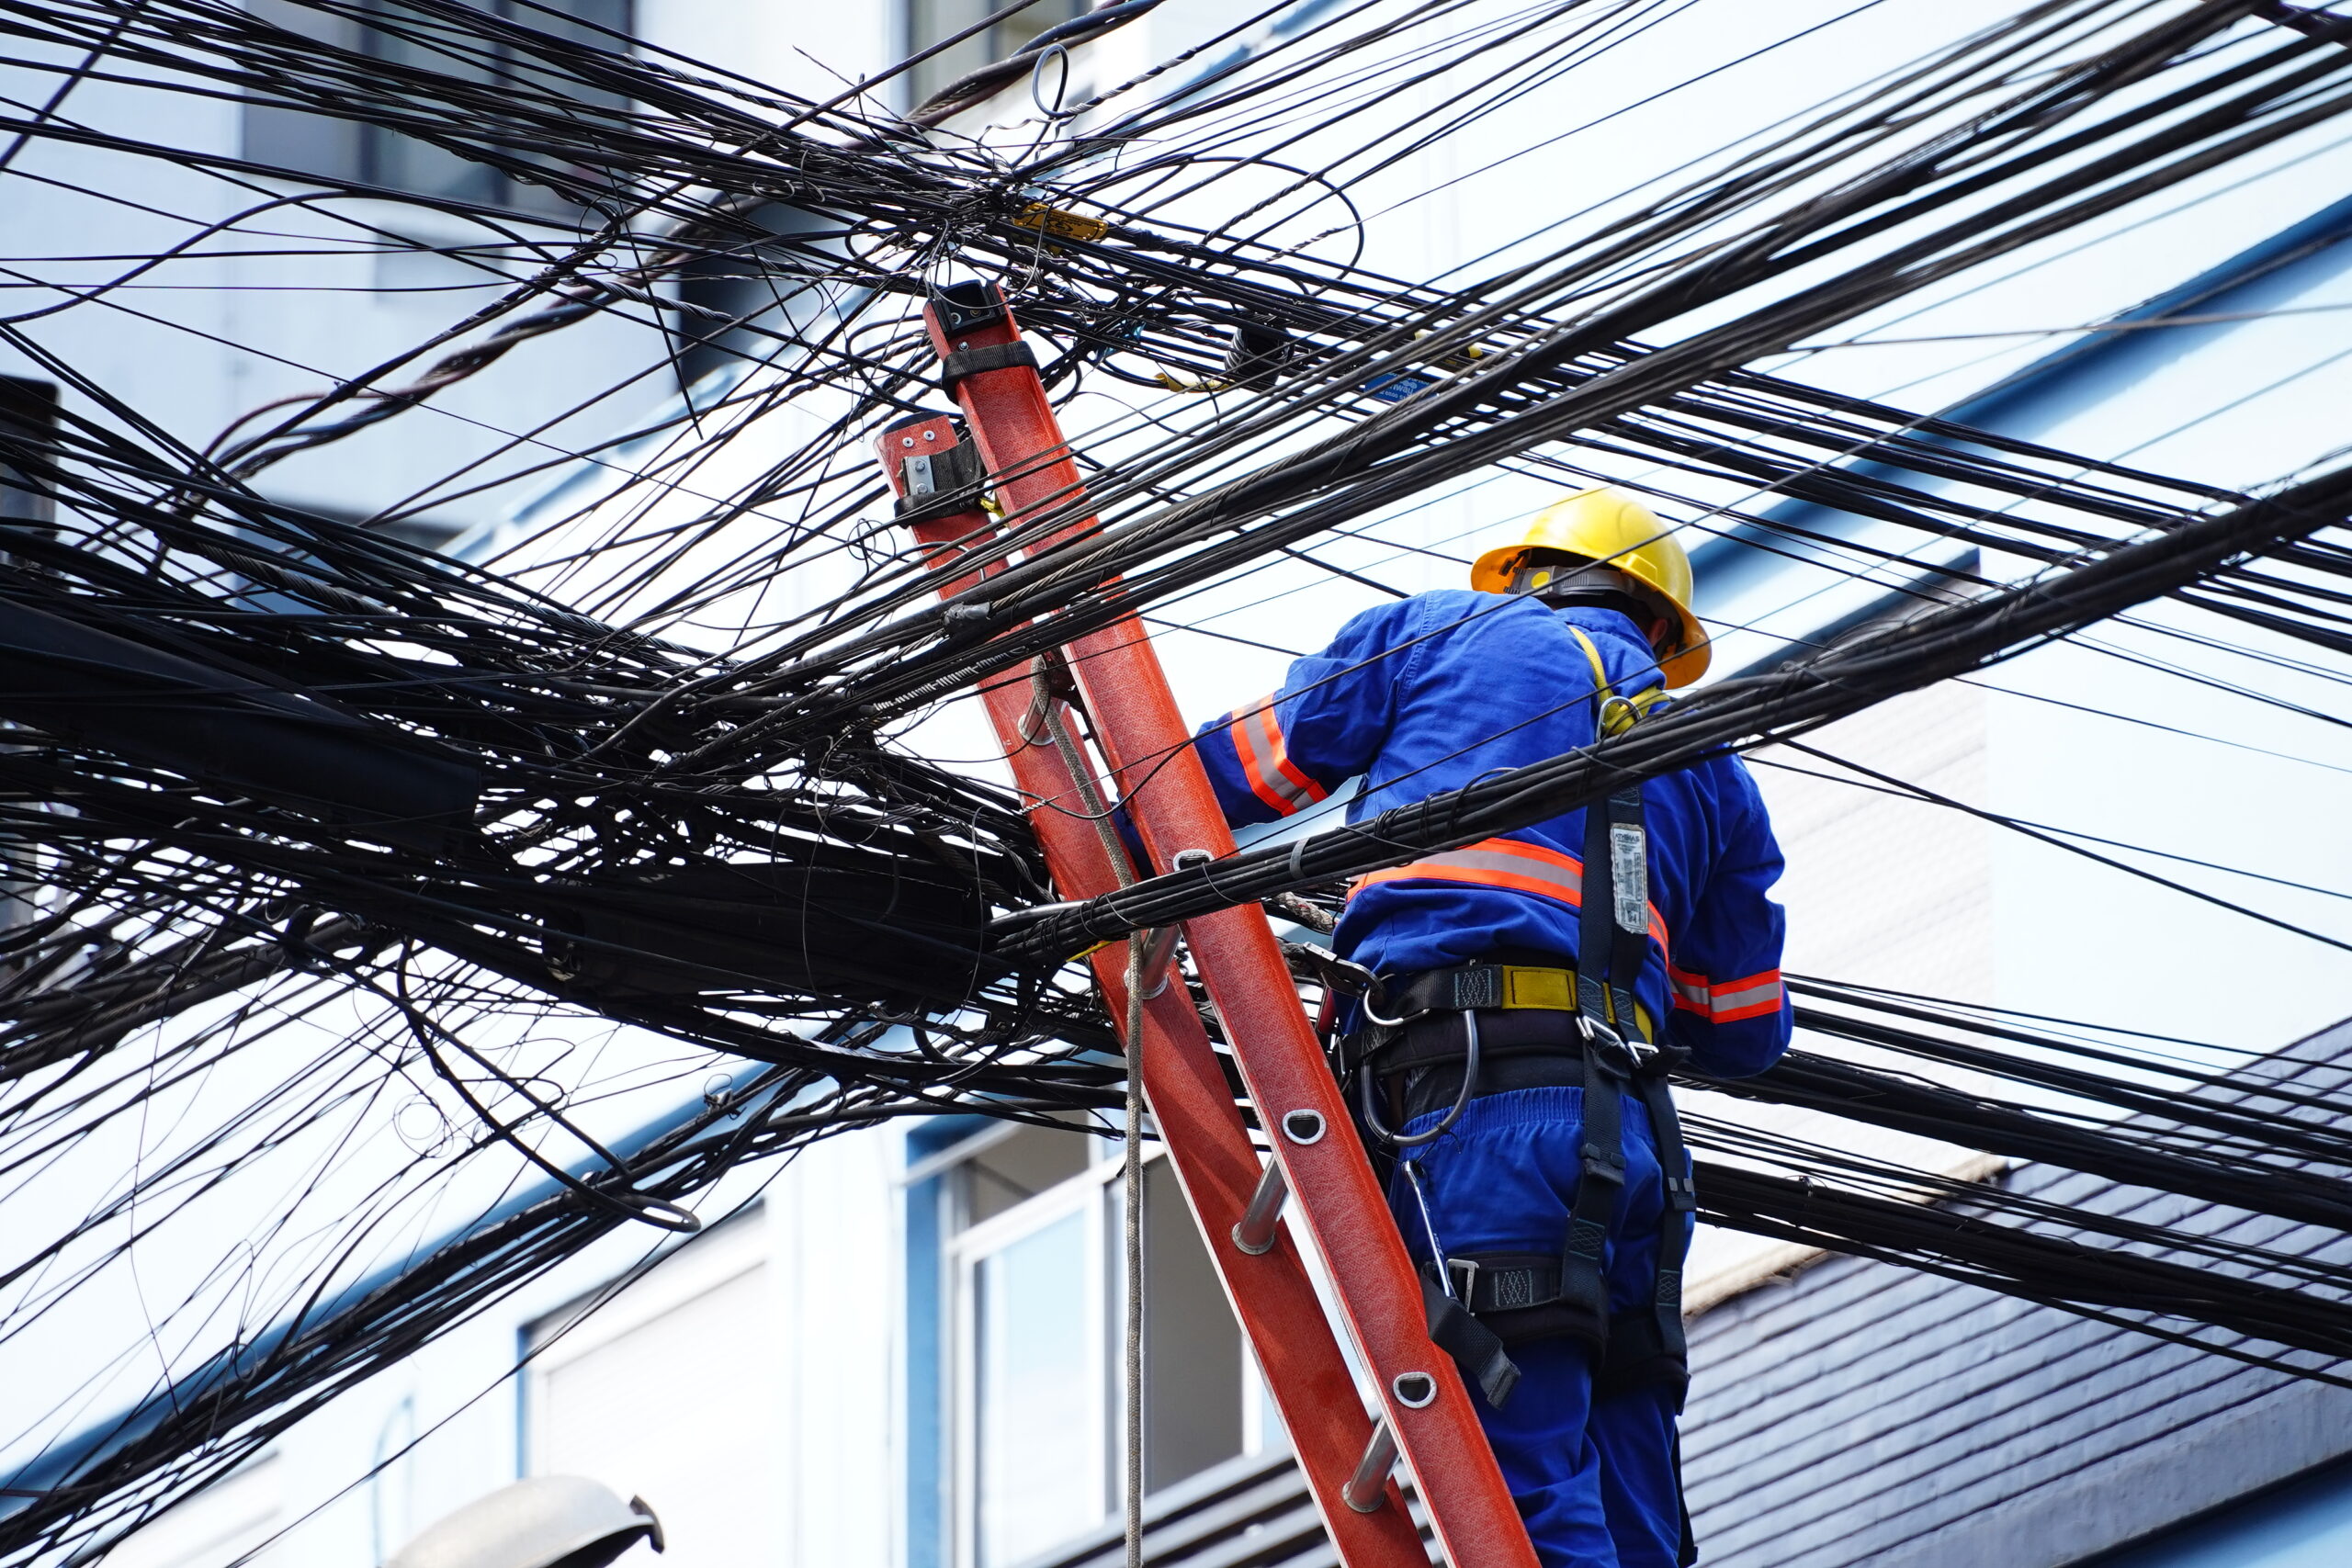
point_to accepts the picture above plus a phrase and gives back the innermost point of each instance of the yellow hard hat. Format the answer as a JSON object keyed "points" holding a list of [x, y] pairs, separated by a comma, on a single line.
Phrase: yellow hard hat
{"points": [[1611, 527]]}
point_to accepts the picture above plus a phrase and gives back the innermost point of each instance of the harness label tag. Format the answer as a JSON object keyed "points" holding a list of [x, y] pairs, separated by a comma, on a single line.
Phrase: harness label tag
{"points": [[1629, 877]]}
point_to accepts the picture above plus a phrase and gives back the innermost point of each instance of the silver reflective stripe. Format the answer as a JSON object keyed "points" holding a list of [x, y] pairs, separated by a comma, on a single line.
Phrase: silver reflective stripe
{"points": [[1732, 1001], [1568, 879], [1694, 993], [1266, 758]]}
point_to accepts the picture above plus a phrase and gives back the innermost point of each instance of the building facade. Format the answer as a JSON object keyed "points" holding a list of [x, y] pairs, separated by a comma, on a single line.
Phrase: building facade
{"points": [[899, 1350]]}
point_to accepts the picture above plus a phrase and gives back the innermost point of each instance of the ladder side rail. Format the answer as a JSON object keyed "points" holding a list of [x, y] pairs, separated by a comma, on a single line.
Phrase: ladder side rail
{"points": [[1217, 1166], [1135, 719]]}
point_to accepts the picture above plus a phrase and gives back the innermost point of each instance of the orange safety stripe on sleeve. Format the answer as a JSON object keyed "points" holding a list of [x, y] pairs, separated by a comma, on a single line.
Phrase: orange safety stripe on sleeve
{"points": [[1691, 991], [1752, 998], [1265, 759], [1509, 863]]}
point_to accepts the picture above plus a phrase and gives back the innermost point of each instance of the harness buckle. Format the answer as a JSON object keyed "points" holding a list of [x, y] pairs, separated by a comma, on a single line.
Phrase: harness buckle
{"points": [[1635, 1055], [1469, 1271]]}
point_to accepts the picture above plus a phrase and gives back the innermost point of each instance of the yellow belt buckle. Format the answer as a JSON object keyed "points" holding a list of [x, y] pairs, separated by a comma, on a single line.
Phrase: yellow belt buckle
{"points": [[1525, 985]]}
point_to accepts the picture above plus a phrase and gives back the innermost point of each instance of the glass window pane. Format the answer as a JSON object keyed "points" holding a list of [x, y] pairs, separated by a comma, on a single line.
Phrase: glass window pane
{"points": [[1191, 1345], [1019, 1168], [1009, 36], [1040, 1481], [421, 41], [928, 21], [287, 139], [590, 24]]}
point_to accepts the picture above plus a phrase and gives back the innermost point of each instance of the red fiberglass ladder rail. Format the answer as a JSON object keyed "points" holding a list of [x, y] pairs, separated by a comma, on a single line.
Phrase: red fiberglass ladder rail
{"points": [[1208, 1146], [1426, 1411]]}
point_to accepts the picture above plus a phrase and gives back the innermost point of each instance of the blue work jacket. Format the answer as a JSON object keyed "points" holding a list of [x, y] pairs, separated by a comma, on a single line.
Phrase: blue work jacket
{"points": [[1427, 693]]}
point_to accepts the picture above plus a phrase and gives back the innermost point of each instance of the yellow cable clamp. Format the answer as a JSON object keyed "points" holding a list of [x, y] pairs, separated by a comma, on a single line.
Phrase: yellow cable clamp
{"points": [[1175, 385], [1056, 223]]}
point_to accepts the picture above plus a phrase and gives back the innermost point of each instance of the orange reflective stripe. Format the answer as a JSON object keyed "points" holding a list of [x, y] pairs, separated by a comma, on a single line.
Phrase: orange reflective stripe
{"points": [[1690, 992], [1265, 759], [1508, 863], [1752, 998]]}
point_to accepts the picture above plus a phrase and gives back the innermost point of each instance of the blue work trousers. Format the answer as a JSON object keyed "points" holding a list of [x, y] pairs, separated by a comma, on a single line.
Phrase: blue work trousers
{"points": [[1593, 1478]]}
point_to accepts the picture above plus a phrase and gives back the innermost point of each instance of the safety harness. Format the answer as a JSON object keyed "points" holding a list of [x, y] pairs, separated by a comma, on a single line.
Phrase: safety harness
{"points": [[1481, 1305]]}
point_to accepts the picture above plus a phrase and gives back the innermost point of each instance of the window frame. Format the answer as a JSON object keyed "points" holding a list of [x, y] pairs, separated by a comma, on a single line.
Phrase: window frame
{"points": [[1093, 1192], [1084, 1195]]}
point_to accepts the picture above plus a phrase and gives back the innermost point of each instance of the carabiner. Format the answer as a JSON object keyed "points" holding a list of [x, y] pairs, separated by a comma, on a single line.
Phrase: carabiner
{"points": [[1445, 1124], [1363, 1001]]}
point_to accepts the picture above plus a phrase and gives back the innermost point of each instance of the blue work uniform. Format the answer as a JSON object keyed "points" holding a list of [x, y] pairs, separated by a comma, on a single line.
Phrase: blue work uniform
{"points": [[1424, 695]]}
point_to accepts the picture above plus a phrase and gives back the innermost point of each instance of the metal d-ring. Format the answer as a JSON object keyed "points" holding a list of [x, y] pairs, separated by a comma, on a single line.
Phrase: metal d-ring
{"points": [[1373, 986]]}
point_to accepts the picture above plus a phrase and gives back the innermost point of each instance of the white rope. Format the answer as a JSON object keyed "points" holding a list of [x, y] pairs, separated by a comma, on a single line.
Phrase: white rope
{"points": [[1044, 705]]}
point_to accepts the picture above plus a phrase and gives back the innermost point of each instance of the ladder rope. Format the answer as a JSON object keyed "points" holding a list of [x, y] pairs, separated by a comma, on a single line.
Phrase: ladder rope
{"points": [[1045, 704]]}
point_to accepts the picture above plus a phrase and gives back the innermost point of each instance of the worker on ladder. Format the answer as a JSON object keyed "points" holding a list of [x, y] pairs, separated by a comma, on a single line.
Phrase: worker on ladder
{"points": [[1524, 998]]}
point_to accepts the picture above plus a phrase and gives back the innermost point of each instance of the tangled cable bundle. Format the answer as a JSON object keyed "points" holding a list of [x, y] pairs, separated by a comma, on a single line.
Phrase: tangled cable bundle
{"points": [[390, 873]]}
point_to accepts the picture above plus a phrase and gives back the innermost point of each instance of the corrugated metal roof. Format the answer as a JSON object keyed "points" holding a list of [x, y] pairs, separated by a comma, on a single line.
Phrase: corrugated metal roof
{"points": [[1861, 1413]]}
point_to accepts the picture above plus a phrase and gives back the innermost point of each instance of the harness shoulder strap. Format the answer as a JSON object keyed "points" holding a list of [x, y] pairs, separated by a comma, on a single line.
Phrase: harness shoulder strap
{"points": [[1646, 1344], [1612, 930]]}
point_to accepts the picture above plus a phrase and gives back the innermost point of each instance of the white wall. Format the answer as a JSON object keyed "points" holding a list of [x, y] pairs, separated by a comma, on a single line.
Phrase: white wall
{"points": [[195, 343], [745, 1387]]}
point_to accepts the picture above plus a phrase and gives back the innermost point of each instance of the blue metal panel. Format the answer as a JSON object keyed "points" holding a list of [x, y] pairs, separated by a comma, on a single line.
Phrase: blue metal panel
{"points": [[2097, 367], [926, 1445], [2305, 1525]]}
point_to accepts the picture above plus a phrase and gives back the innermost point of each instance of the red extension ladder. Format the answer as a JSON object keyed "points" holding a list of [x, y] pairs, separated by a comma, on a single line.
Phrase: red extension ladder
{"points": [[1425, 1415]]}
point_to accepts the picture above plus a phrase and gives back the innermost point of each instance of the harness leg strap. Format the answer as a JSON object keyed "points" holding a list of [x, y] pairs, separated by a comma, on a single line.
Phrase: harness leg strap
{"points": [[1584, 1256], [1477, 1349], [1647, 1345]]}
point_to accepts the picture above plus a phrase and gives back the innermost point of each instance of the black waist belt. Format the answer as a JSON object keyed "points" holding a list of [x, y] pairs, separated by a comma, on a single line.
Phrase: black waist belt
{"points": [[1418, 1068], [1502, 987]]}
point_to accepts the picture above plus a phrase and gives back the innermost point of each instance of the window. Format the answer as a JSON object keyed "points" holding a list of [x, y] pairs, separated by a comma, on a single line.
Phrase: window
{"points": [[27, 419], [345, 150], [928, 21], [1034, 1301]]}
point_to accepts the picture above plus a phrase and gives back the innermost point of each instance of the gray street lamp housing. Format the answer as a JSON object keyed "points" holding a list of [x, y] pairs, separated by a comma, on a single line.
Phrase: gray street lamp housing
{"points": [[548, 1521]]}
